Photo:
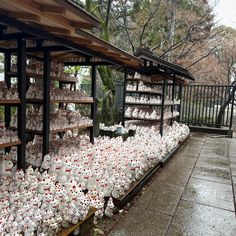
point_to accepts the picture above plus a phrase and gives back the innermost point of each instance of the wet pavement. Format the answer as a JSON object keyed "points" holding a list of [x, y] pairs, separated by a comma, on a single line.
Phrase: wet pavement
{"points": [[194, 194]]}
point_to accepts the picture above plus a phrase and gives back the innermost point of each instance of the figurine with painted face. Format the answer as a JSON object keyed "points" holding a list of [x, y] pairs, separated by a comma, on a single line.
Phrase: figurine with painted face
{"points": [[6, 168]]}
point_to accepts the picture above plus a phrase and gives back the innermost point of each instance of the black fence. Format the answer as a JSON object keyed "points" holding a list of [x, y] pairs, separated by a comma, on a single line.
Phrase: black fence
{"points": [[206, 105]]}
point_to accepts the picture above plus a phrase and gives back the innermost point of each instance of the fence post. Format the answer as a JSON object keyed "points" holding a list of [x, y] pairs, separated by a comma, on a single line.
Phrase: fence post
{"points": [[232, 112]]}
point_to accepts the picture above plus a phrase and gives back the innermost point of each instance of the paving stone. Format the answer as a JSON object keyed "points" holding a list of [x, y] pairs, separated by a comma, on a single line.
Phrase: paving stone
{"points": [[153, 199], [199, 135], [209, 193], [172, 176], [195, 145], [194, 152], [232, 157], [233, 168], [212, 173], [193, 219], [216, 161], [180, 161], [142, 223], [216, 151]]}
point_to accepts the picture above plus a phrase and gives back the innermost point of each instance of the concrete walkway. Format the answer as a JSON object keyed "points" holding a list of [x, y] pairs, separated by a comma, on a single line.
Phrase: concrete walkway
{"points": [[192, 195]]}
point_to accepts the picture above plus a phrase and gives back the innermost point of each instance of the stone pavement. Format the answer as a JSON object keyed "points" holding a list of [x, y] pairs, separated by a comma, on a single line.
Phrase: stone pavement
{"points": [[192, 195]]}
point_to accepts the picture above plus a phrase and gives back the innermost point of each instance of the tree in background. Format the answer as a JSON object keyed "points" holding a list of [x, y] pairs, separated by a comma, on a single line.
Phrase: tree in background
{"points": [[180, 31]]}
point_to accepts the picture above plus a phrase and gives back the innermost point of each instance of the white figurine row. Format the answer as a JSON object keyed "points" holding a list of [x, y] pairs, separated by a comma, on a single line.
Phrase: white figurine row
{"points": [[142, 87], [34, 155], [35, 91], [8, 93], [60, 119], [143, 100], [114, 128], [8, 136], [150, 101], [44, 203], [35, 66], [155, 114]]}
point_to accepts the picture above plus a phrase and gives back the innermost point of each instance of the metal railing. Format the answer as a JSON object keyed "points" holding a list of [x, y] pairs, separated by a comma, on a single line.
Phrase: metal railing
{"points": [[201, 105]]}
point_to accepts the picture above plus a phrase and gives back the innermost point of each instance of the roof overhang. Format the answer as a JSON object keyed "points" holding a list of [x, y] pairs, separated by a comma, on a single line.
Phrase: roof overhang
{"points": [[158, 65], [60, 22]]}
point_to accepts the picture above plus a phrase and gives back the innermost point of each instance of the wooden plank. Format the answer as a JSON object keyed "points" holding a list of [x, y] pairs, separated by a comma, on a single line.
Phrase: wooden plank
{"points": [[9, 102], [58, 10], [99, 48], [54, 131], [40, 101], [35, 8], [24, 16], [113, 54], [76, 11], [66, 129], [145, 92], [83, 226], [54, 29], [4, 145], [80, 40], [82, 25]]}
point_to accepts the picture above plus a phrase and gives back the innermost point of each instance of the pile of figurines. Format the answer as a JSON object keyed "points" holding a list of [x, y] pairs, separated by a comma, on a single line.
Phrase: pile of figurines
{"points": [[154, 114], [114, 128], [143, 99], [78, 177], [59, 119], [142, 88], [35, 66], [8, 136], [35, 91], [34, 155], [8, 93], [140, 77]]}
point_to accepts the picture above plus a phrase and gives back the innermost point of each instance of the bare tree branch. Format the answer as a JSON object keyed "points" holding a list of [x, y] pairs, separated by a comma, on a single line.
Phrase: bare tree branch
{"points": [[208, 54], [152, 14]]}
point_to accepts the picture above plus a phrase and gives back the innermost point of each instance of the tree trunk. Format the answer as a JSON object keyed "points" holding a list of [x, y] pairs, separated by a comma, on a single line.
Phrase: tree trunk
{"points": [[171, 37], [220, 116]]}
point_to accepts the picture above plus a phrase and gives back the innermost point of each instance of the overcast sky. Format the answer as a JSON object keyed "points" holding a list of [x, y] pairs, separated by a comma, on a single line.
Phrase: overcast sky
{"points": [[225, 12]]}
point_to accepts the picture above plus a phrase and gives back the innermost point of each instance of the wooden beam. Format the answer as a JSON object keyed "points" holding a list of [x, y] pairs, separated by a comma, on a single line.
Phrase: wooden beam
{"points": [[77, 11], [25, 16], [57, 10], [80, 40], [113, 54], [82, 25], [56, 29], [35, 8], [60, 55], [99, 48]]}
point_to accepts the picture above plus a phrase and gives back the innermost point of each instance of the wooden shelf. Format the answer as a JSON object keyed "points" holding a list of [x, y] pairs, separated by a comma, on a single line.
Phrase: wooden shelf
{"points": [[141, 104], [54, 131], [9, 102], [84, 226], [40, 101], [75, 127], [137, 118], [40, 76], [141, 80], [145, 92], [4, 145], [149, 104], [155, 120]]}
